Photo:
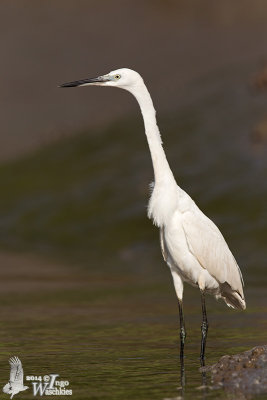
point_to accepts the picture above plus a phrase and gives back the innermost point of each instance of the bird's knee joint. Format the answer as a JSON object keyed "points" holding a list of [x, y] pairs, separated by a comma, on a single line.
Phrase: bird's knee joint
{"points": [[182, 334], [204, 327]]}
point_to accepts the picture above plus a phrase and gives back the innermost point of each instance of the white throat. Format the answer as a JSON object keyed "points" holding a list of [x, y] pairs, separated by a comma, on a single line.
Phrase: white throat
{"points": [[162, 202], [161, 167]]}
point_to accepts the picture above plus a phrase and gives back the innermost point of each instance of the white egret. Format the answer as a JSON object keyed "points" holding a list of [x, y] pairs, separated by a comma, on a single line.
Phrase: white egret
{"points": [[191, 244]]}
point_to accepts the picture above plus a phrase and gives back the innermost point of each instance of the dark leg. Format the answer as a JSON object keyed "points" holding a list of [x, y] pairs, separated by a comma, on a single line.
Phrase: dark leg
{"points": [[182, 329], [182, 377], [204, 329], [182, 340]]}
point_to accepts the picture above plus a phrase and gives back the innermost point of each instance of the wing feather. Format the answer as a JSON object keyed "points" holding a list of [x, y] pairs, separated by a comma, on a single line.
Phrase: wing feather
{"points": [[16, 370], [208, 245]]}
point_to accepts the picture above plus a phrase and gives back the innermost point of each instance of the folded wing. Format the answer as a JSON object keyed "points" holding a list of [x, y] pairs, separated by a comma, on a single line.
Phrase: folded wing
{"points": [[207, 244]]}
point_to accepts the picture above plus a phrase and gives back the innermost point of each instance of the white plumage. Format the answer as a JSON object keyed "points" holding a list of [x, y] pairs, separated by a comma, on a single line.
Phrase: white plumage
{"points": [[15, 384], [201, 256], [192, 245]]}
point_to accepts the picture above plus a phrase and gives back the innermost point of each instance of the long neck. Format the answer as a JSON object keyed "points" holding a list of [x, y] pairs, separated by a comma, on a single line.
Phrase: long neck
{"points": [[161, 167]]}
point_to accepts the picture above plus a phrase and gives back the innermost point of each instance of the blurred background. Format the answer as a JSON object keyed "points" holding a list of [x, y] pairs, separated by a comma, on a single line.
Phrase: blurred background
{"points": [[82, 276]]}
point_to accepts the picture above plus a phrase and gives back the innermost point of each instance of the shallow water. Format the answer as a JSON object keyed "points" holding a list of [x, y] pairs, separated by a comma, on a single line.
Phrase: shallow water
{"points": [[115, 338]]}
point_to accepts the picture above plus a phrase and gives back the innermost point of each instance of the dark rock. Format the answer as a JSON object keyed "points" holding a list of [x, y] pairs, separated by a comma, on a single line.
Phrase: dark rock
{"points": [[244, 375]]}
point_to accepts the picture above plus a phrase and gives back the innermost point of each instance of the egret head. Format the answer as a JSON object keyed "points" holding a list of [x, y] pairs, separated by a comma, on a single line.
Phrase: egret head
{"points": [[123, 78]]}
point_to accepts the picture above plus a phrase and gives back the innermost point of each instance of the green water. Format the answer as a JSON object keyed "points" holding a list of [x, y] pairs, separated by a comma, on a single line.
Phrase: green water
{"points": [[107, 320], [118, 338]]}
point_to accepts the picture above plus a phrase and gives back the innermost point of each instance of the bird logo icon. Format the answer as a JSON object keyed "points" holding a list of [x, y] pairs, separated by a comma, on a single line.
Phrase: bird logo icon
{"points": [[15, 384]]}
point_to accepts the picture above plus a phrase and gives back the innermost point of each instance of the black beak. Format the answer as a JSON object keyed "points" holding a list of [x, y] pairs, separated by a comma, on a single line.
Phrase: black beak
{"points": [[82, 82]]}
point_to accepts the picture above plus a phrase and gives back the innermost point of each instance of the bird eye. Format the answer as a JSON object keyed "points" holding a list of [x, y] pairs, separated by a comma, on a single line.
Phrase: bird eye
{"points": [[117, 76]]}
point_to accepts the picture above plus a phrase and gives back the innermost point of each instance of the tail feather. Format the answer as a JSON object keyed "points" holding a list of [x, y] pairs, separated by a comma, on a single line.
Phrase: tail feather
{"points": [[232, 298]]}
